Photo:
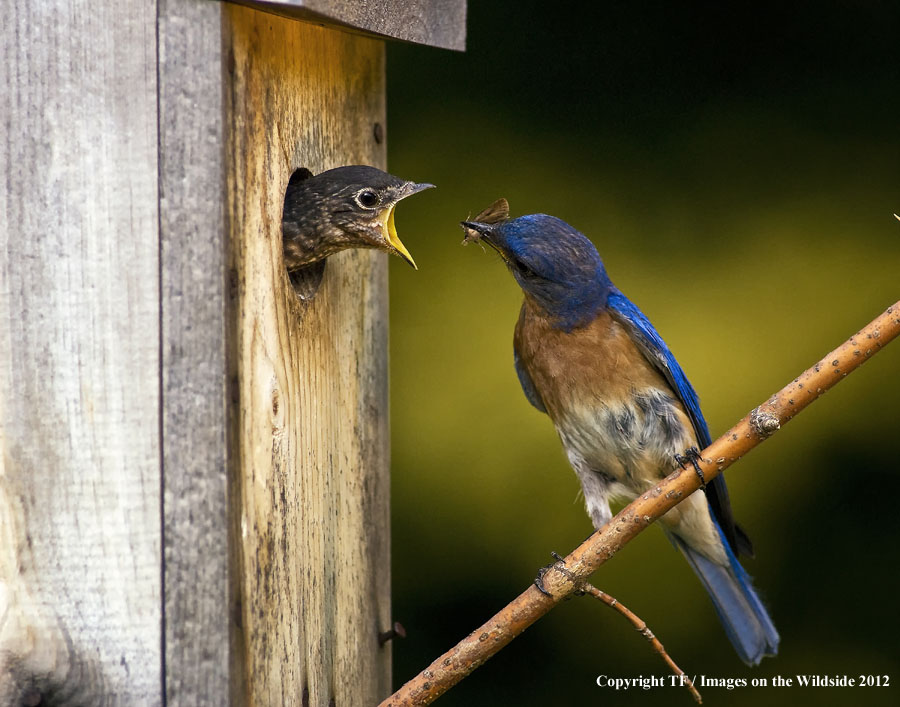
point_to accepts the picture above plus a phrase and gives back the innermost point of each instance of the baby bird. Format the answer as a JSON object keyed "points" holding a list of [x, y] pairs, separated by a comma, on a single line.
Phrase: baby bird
{"points": [[346, 207]]}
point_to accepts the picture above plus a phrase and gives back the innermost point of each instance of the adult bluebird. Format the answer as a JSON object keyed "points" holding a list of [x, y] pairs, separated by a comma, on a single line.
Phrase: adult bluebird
{"points": [[624, 410]]}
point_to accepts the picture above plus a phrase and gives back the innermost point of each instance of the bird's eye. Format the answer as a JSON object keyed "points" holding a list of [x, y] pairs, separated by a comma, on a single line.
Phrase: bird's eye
{"points": [[525, 271], [367, 199]]}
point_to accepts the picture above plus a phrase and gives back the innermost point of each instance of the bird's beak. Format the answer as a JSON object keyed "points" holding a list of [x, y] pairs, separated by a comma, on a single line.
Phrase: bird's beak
{"points": [[394, 239], [476, 231], [411, 188], [406, 190], [481, 232]]}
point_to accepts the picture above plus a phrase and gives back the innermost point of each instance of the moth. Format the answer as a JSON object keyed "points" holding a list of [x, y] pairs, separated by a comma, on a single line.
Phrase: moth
{"points": [[495, 213]]}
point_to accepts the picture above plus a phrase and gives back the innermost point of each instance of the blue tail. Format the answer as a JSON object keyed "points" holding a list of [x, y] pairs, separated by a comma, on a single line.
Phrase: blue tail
{"points": [[742, 614]]}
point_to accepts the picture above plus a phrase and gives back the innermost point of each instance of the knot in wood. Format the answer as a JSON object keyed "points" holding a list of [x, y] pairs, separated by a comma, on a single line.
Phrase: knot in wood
{"points": [[765, 423]]}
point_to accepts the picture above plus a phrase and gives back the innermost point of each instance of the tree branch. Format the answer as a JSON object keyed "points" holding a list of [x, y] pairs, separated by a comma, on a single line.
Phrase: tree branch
{"points": [[645, 631], [563, 578]]}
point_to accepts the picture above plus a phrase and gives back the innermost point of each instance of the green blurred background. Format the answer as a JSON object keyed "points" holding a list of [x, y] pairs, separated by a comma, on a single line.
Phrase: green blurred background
{"points": [[738, 168]]}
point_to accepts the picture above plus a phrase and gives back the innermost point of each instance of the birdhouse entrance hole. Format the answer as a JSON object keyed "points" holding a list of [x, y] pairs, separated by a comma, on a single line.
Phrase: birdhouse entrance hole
{"points": [[305, 281]]}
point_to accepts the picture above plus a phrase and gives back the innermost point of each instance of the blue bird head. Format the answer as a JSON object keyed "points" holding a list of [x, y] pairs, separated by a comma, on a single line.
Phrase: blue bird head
{"points": [[555, 265]]}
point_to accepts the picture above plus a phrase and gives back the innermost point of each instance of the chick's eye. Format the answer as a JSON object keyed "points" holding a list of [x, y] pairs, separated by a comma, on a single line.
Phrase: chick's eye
{"points": [[367, 199]]}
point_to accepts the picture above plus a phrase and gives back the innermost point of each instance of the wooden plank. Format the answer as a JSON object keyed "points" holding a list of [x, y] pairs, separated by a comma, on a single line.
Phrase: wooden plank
{"points": [[193, 244], [311, 490], [437, 23], [79, 355]]}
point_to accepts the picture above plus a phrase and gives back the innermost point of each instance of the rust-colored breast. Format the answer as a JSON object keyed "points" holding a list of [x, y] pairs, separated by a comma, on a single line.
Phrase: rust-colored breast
{"points": [[593, 365]]}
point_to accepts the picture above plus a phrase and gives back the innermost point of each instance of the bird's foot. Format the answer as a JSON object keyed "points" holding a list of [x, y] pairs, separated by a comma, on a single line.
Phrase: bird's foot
{"points": [[691, 456], [559, 565]]}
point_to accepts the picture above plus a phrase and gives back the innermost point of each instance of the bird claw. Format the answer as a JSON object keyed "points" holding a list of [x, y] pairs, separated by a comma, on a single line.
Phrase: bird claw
{"points": [[539, 580], [692, 456]]}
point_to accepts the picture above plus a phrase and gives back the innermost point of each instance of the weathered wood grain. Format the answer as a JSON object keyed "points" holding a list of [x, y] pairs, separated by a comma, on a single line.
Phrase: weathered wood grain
{"points": [[152, 344], [79, 355], [310, 483], [193, 246], [437, 23]]}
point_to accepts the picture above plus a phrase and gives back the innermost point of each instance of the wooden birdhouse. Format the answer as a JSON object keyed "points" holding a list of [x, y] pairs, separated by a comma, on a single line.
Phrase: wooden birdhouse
{"points": [[194, 480]]}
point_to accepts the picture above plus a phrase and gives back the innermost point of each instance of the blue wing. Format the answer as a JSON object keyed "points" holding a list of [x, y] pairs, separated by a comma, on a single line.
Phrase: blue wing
{"points": [[655, 350], [742, 613], [527, 384]]}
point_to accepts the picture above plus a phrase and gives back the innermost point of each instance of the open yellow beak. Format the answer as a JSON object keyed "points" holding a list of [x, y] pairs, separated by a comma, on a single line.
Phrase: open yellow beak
{"points": [[395, 241], [408, 189]]}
